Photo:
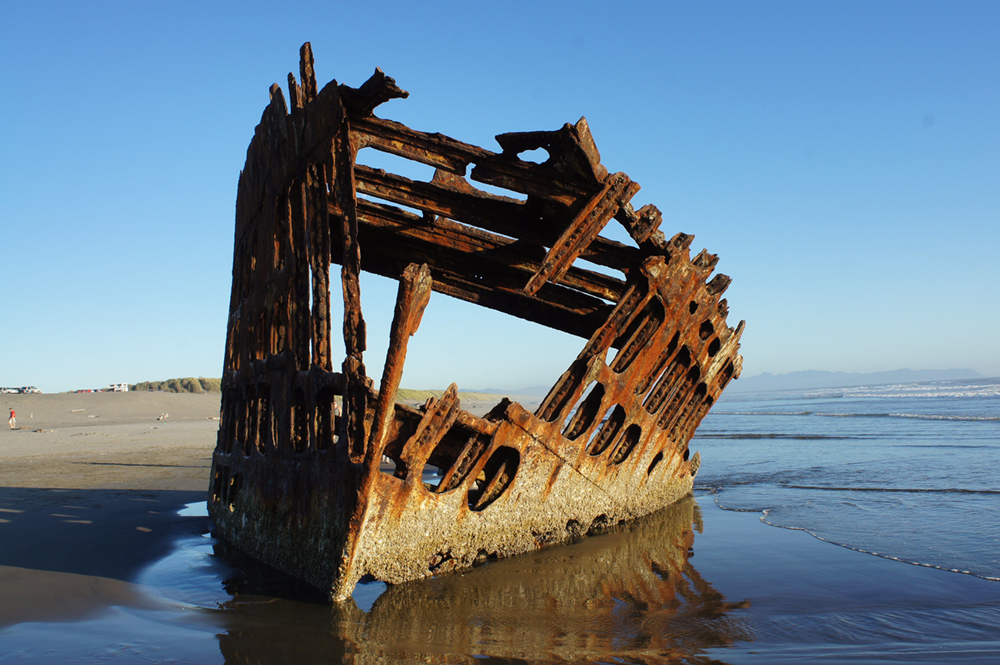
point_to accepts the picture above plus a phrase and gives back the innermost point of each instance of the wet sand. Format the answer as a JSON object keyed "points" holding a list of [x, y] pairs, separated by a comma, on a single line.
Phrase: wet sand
{"points": [[97, 565]]}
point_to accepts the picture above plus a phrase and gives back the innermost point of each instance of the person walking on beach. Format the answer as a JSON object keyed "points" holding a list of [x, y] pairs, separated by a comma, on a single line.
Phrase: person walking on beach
{"points": [[12, 421]]}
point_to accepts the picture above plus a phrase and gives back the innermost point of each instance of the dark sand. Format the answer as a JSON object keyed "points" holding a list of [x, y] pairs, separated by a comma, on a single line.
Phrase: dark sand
{"points": [[96, 565]]}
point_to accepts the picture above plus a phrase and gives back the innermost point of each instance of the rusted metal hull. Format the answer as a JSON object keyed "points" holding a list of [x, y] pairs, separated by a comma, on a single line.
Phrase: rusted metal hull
{"points": [[597, 588], [302, 488]]}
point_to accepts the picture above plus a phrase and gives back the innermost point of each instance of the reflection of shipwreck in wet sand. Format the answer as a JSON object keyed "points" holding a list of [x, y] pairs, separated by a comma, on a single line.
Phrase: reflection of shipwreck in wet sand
{"points": [[632, 597], [300, 487]]}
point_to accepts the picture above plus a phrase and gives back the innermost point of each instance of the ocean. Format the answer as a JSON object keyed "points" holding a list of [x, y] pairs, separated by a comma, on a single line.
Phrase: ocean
{"points": [[909, 472]]}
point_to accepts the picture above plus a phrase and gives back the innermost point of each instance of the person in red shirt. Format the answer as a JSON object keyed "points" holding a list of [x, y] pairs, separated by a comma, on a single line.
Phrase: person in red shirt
{"points": [[13, 419]]}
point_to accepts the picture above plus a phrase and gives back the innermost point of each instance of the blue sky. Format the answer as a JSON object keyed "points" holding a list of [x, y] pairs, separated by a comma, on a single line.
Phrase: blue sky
{"points": [[843, 159]]}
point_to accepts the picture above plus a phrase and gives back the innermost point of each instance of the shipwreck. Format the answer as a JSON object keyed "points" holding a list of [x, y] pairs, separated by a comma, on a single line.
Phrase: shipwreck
{"points": [[331, 495]]}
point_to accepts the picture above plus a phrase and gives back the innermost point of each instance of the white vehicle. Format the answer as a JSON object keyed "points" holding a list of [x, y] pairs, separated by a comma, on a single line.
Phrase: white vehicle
{"points": [[118, 388]]}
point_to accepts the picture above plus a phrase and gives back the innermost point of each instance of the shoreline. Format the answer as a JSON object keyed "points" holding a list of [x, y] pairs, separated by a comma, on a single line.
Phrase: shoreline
{"points": [[87, 510]]}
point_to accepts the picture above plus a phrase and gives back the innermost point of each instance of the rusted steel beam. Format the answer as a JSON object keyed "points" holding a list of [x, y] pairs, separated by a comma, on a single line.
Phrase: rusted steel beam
{"points": [[570, 308], [617, 191], [639, 223], [482, 246], [453, 197], [432, 149], [298, 481], [356, 396], [439, 416], [570, 312], [414, 294]]}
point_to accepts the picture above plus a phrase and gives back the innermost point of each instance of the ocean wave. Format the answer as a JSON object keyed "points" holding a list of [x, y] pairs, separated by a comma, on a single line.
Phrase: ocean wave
{"points": [[762, 413], [721, 484], [943, 446], [758, 435], [917, 416], [963, 390], [919, 390], [928, 416], [917, 490], [881, 555]]}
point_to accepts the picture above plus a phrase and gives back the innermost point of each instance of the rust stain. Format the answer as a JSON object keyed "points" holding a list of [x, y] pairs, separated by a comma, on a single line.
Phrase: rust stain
{"points": [[330, 493]]}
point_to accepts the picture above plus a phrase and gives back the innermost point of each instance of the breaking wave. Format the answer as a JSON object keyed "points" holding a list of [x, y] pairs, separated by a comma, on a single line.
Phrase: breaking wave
{"points": [[765, 520], [762, 413], [756, 435], [919, 416], [955, 490]]}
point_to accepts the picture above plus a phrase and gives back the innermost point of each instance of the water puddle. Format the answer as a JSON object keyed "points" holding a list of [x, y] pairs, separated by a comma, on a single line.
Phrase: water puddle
{"points": [[196, 509]]}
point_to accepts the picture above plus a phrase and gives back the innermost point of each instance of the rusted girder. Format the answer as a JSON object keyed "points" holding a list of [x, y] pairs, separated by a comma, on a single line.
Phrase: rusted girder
{"points": [[301, 485]]}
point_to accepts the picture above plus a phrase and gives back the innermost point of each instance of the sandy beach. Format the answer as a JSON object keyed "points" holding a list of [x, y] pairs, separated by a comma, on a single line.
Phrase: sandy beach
{"points": [[90, 486], [109, 441], [101, 562]]}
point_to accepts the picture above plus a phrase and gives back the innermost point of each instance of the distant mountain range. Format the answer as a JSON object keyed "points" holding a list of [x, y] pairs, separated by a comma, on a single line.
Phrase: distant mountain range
{"points": [[820, 379]]}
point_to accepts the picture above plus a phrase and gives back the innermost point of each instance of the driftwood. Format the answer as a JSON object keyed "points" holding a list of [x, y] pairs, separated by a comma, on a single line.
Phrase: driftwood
{"points": [[305, 489]]}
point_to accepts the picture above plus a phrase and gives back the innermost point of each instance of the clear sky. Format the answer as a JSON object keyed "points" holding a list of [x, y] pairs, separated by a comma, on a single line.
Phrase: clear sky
{"points": [[843, 159]]}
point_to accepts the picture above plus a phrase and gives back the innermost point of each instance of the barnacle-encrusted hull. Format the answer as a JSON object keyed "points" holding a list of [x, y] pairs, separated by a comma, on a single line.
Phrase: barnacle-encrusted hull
{"points": [[330, 498]]}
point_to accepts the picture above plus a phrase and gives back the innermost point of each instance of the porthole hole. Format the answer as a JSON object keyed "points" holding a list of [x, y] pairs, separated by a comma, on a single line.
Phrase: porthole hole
{"points": [[656, 460], [635, 338], [586, 413], [607, 432], [496, 477], [627, 443], [536, 156], [599, 525], [453, 458]]}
